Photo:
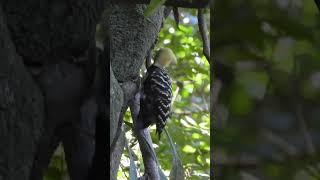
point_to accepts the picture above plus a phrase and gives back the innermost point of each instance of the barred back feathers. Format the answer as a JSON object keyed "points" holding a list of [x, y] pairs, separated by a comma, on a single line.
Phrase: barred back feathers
{"points": [[156, 103]]}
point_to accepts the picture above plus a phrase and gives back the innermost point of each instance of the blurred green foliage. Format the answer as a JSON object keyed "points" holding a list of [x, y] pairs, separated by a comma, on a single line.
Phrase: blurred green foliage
{"points": [[267, 85]]}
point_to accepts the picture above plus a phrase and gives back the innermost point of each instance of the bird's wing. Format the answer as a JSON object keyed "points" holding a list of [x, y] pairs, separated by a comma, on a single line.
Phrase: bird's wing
{"points": [[162, 93]]}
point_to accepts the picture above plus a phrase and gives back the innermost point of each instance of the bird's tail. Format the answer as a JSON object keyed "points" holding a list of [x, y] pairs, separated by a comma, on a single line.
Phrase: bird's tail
{"points": [[159, 130]]}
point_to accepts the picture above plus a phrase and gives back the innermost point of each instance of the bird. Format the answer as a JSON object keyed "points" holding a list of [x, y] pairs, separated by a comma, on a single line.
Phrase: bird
{"points": [[156, 91]]}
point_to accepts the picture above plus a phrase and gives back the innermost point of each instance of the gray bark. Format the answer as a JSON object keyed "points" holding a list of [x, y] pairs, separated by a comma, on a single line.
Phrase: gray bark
{"points": [[132, 35], [37, 36], [116, 102], [21, 111], [116, 95]]}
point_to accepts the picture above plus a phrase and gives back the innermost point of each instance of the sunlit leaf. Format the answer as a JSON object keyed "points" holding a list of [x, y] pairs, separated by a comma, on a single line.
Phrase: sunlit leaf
{"points": [[189, 149]]}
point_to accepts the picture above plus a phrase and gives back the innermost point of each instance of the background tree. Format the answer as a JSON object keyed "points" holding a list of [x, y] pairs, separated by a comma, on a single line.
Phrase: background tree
{"points": [[266, 90], [21, 110], [36, 34]]}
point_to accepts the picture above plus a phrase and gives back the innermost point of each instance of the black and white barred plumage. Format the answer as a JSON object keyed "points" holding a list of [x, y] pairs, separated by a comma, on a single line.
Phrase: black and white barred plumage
{"points": [[155, 102]]}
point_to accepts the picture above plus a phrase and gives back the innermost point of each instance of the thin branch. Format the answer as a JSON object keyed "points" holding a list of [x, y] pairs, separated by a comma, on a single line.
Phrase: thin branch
{"points": [[280, 142], [306, 135], [313, 172], [119, 130], [296, 96], [204, 34], [145, 141], [318, 4], [238, 161], [176, 16]]}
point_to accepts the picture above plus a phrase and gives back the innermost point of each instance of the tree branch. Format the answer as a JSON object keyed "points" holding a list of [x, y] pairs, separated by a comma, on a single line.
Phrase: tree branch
{"points": [[280, 142], [204, 34], [238, 161], [318, 4], [298, 109], [145, 142], [129, 89], [304, 129]]}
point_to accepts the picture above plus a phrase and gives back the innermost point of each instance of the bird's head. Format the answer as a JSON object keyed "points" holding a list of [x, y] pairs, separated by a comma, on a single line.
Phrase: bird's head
{"points": [[164, 57]]}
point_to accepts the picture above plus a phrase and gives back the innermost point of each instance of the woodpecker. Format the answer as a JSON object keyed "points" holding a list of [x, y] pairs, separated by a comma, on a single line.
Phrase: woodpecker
{"points": [[156, 95]]}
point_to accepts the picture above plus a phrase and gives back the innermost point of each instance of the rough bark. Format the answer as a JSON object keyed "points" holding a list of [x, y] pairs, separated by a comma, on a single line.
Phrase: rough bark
{"points": [[21, 111], [116, 103], [46, 30], [45, 33], [132, 35]]}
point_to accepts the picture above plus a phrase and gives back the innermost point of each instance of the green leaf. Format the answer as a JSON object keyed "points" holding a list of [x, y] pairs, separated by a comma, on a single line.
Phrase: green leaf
{"points": [[154, 4]]}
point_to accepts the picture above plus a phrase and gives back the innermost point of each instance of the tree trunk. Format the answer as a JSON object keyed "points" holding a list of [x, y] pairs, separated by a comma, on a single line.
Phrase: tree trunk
{"points": [[21, 111], [132, 35], [44, 42]]}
